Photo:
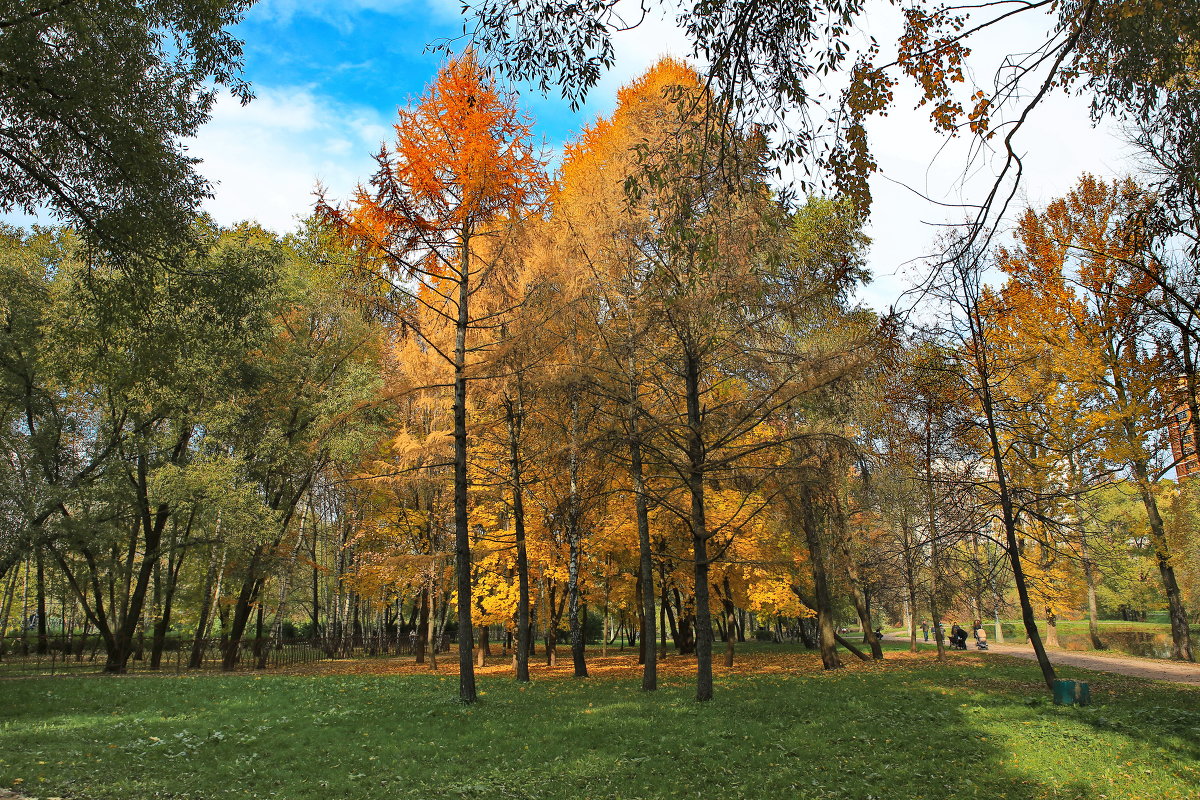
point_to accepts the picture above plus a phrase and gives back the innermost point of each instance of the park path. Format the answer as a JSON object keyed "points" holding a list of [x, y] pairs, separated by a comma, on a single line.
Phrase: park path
{"points": [[1154, 669]]}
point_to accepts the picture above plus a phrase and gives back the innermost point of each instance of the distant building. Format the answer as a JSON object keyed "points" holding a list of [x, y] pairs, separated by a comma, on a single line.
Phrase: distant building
{"points": [[1181, 429]]}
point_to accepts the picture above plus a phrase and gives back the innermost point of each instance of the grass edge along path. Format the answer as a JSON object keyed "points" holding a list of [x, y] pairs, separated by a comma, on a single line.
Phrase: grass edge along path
{"points": [[906, 728]]}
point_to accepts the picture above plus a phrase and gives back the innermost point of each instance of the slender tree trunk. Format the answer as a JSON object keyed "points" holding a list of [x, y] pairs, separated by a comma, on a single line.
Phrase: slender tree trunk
{"points": [[1181, 638], [285, 586], [931, 520], [664, 608], [574, 543], [856, 592], [242, 610], [1051, 628], [174, 564], [422, 629], [730, 622], [430, 627], [910, 584], [1008, 514], [462, 533], [152, 538], [515, 414], [7, 605], [699, 526], [1093, 627], [43, 636], [645, 561], [849, 646], [210, 596], [316, 584], [1089, 577], [481, 650]]}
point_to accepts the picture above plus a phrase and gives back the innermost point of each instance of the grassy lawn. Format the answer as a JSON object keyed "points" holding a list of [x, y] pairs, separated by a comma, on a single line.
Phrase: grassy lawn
{"points": [[778, 728]]}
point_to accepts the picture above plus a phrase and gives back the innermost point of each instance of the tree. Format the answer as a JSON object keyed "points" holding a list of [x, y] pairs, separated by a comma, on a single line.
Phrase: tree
{"points": [[1096, 238], [116, 373], [98, 96], [462, 171], [307, 399], [979, 367]]}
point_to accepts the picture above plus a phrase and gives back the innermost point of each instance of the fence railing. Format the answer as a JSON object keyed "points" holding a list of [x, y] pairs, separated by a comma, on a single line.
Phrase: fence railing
{"points": [[81, 654]]}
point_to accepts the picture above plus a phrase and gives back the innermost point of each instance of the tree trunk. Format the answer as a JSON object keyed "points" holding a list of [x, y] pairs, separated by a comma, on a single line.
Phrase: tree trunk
{"points": [[462, 533], [174, 564], [251, 585], [730, 622], [645, 562], [983, 371], [43, 636], [212, 593], [822, 603], [574, 543], [911, 586], [424, 621], [285, 586], [699, 526], [1181, 637], [856, 591], [430, 628], [846, 644], [481, 650], [515, 417], [931, 514]]}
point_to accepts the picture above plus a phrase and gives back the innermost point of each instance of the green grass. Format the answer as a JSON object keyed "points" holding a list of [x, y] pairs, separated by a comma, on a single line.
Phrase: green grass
{"points": [[911, 729]]}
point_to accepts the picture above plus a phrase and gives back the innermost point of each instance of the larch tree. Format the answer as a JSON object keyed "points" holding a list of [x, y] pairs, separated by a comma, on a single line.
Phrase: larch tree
{"points": [[462, 170]]}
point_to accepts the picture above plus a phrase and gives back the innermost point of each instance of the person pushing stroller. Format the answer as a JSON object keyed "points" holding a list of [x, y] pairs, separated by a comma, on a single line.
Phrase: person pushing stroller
{"points": [[980, 636]]}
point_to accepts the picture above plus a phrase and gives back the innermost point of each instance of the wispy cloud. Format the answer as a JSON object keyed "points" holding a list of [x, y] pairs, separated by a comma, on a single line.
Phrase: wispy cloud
{"points": [[264, 159], [344, 14]]}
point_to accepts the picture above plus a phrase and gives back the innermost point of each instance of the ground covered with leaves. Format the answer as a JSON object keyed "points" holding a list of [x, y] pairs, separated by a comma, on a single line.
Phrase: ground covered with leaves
{"points": [[978, 726]]}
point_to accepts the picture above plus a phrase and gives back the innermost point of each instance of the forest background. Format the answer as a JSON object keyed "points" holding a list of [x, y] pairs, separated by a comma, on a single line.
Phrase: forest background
{"points": [[490, 390]]}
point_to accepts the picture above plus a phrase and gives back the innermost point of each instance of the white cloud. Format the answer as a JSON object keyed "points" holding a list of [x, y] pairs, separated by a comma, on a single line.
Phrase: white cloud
{"points": [[341, 13], [636, 50], [264, 159]]}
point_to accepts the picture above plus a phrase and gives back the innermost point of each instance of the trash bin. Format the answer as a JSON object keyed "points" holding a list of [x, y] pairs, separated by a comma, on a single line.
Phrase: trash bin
{"points": [[1072, 693]]}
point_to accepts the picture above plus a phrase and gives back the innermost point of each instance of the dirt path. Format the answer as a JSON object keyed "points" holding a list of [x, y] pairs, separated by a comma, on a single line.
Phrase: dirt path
{"points": [[1155, 669]]}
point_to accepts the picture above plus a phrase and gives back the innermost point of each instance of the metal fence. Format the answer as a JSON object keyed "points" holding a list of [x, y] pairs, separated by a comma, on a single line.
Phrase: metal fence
{"points": [[82, 654]]}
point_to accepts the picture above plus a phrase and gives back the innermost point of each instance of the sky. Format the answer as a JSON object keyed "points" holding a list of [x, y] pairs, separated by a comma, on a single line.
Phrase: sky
{"points": [[328, 76]]}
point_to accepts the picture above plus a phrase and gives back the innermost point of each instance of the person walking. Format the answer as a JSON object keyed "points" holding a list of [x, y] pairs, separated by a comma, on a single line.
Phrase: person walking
{"points": [[925, 630]]}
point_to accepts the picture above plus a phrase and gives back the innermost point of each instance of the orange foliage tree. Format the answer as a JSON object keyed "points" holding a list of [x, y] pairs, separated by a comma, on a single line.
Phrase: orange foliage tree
{"points": [[462, 172]]}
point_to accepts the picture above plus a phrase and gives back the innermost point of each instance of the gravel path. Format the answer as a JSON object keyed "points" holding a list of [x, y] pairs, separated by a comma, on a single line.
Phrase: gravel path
{"points": [[1155, 669]]}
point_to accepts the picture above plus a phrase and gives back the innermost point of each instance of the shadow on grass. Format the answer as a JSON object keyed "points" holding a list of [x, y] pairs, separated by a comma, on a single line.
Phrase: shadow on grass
{"points": [[908, 730]]}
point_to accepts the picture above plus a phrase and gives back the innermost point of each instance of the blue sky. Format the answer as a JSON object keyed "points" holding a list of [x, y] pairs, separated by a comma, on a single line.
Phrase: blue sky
{"points": [[330, 75], [377, 54]]}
